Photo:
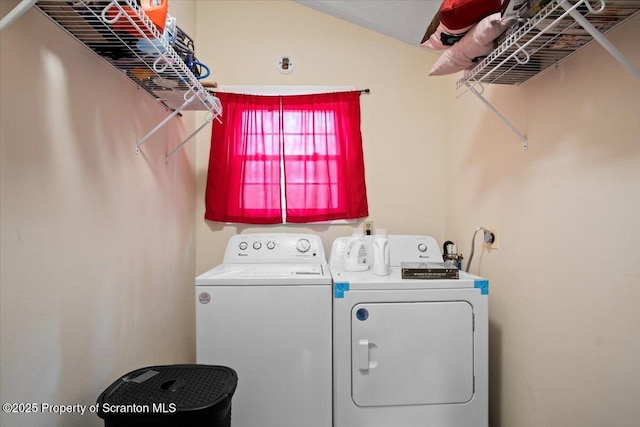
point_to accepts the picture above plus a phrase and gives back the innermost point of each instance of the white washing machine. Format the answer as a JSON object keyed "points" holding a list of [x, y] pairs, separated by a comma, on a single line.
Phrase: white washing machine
{"points": [[409, 352], [266, 312]]}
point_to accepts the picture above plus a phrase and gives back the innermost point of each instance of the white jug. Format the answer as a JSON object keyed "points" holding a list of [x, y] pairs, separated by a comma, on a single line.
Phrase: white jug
{"points": [[357, 256], [339, 252], [381, 261]]}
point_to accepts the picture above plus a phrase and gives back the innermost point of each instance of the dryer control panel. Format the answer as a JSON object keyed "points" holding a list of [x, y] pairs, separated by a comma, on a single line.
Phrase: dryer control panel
{"points": [[413, 249], [274, 248]]}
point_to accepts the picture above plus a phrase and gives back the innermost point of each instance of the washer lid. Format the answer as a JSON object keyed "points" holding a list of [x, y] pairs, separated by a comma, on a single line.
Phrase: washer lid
{"points": [[265, 274]]}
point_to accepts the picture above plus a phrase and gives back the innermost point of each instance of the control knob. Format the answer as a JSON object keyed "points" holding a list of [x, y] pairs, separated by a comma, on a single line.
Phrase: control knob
{"points": [[303, 245], [257, 245], [422, 247]]}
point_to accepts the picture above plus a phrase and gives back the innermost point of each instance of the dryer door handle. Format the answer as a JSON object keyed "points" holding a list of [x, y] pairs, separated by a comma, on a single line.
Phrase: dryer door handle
{"points": [[363, 355]]}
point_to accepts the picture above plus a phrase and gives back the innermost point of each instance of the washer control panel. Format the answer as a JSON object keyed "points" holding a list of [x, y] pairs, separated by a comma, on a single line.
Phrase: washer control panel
{"points": [[274, 247]]}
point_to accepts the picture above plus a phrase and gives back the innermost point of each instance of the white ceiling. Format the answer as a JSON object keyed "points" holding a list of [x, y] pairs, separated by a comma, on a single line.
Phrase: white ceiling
{"points": [[404, 20]]}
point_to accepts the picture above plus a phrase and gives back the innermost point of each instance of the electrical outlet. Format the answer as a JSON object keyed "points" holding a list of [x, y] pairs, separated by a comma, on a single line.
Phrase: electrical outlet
{"points": [[496, 238], [368, 228]]}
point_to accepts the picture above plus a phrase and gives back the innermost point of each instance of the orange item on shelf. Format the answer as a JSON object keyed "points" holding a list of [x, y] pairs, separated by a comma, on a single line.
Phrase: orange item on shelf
{"points": [[156, 10]]}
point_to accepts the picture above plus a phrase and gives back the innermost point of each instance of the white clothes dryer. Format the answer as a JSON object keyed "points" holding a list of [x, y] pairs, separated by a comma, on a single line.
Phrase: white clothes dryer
{"points": [[409, 352], [266, 313]]}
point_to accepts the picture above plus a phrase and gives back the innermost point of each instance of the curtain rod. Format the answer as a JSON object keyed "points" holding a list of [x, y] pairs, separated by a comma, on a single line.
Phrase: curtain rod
{"points": [[212, 85]]}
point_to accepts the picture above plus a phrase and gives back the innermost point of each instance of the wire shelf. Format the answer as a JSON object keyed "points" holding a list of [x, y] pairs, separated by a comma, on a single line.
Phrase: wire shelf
{"points": [[546, 39], [123, 35]]}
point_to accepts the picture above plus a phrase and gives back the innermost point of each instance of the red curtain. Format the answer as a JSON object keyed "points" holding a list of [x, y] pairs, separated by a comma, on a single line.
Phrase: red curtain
{"points": [[323, 160], [315, 138], [243, 182]]}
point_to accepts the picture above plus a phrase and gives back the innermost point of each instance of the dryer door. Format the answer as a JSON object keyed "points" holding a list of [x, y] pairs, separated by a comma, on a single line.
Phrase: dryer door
{"points": [[412, 353]]}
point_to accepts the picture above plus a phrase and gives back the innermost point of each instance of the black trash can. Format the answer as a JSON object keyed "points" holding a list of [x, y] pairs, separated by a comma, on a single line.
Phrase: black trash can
{"points": [[170, 396]]}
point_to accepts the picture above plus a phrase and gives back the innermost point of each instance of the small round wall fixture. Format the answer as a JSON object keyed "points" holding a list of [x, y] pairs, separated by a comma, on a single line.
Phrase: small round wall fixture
{"points": [[285, 64]]}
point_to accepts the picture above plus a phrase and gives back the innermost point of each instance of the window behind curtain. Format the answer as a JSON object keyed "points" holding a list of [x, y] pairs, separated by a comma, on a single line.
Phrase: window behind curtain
{"points": [[314, 140]]}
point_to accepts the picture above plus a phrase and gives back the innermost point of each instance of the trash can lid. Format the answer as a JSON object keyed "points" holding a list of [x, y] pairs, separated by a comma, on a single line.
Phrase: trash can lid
{"points": [[188, 387]]}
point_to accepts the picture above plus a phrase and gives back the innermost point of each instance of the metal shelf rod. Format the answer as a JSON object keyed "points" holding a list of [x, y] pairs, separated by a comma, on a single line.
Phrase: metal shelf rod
{"points": [[523, 138], [207, 121], [16, 13], [162, 123]]}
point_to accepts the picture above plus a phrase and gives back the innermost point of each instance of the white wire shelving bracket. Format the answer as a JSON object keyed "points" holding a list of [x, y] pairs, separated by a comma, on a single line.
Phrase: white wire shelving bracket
{"points": [[122, 34], [559, 29], [478, 94]]}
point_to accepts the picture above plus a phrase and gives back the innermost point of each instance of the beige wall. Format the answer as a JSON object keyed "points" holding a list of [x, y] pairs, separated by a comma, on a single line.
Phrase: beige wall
{"points": [[402, 119], [97, 243], [565, 283]]}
